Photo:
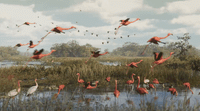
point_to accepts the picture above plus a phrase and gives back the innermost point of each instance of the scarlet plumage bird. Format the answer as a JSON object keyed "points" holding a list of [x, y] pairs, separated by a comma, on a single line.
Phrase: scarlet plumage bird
{"points": [[132, 65], [95, 54], [116, 92], [187, 84], [141, 90], [80, 80], [131, 81]]}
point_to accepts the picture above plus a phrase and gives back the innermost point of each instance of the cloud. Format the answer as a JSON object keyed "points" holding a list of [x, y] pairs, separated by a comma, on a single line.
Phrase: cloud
{"points": [[182, 7]]}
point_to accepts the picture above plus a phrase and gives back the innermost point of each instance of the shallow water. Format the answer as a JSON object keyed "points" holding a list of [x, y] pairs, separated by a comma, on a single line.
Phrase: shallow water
{"points": [[128, 96]]}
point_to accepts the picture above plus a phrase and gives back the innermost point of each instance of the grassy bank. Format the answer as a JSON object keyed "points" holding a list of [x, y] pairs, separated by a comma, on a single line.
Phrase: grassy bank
{"points": [[92, 71]]}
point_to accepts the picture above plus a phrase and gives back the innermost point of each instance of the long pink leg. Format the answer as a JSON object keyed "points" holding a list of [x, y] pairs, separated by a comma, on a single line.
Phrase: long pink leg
{"points": [[27, 63], [117, 30], [20, 25], [45, 36], [145, 49], [88, 60]]}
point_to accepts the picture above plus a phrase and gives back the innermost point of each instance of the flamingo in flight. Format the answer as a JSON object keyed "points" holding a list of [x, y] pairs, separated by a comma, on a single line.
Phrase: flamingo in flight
{"points": [[19, 45], [161, 60], [131, 81], [38, 55], [14, 92], [155, 40], [80, 80], [90, 87], [59, 89], [32, 89], [95, 54], [33, 45], [58, 30], [187, 84], [125, 23], [26, 23], [116, 92], [141, 90], [132, 64]]}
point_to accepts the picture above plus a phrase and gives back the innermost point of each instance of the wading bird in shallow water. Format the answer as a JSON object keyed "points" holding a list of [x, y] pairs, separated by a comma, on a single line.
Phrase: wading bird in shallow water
{"points": [[32, 89], [108, 79], [132, 64], [116, 92], [187, 84], [173, 91], [38, 55], [141, 90], [160, 61], [155, 81], [95, 54], [26, 23], [80, 80], [19, 45], [59, 89], [125, 23], [14, 92], [33, 45], [90, 87], [58, 30], [131, 81], [155, 40]]}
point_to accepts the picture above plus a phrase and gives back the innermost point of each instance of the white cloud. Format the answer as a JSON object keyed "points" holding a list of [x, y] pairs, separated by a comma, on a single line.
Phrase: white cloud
{"points": [[183, 7]]}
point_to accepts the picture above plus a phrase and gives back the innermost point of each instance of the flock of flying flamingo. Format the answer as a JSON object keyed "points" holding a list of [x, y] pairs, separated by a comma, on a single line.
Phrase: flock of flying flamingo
{"points": [[89, 85]]}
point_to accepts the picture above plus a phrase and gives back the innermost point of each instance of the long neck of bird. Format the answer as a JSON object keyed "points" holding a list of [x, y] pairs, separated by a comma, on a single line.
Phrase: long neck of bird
{"points": [[59, 91], [115, 85], [78, 77], [96, 85], [36, 83], [132, 78], [168, 57], [138, 83]]}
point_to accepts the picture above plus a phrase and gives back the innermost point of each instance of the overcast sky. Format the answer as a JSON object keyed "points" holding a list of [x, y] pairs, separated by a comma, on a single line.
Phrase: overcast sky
{"points": [[158, 17]]}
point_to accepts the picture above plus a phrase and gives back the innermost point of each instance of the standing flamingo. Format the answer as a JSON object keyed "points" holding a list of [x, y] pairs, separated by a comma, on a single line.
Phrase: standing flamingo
{"points": [[95, 54], [19, 45], [90, 87], [32, 89], [125, 23], [187, 84], [116, 92], [39, 55], [33, 45], [59, 89], [173, 91], [132, 64], [155, 81], [108, 79], [131, 81], [26, 23], [14, 92], [141, 90], [155, 40], [80, 80], [58, 30], [161, 60]]}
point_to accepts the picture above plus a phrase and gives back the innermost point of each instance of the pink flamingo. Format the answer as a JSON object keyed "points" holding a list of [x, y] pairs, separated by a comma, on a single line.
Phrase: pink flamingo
{"points": [[116, 92], [90, 87], [19, 45], [141, 90], [173, 91], [132, 64], [80, 80], [58, 30], [125, 23], [131, 81], [26, 23], [108, 79], [33, 45], [39, 55], [155, 40], [14, 92], [95, 54], [59, 89], [187, 84], [161, 60]]}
